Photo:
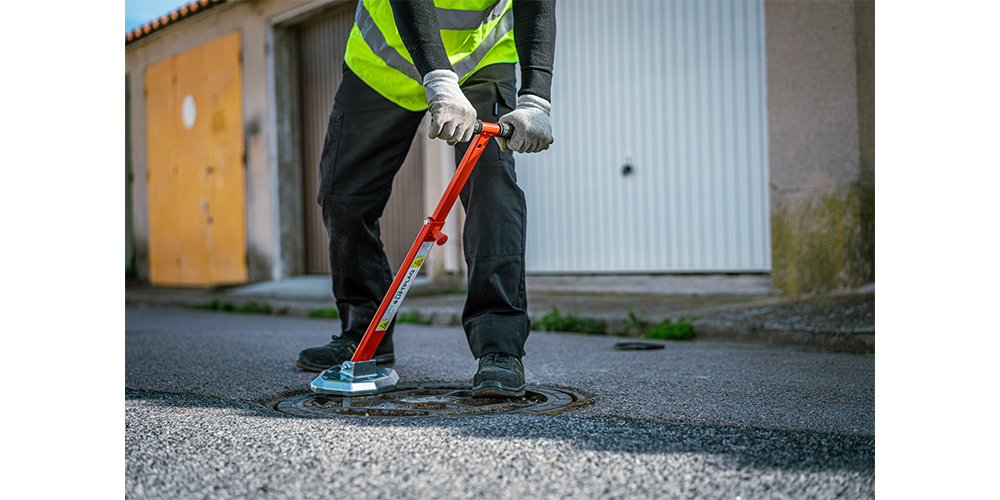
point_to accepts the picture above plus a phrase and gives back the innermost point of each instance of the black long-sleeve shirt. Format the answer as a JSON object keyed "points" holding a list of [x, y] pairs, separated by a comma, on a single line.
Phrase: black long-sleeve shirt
{"points": [[534, 36]]}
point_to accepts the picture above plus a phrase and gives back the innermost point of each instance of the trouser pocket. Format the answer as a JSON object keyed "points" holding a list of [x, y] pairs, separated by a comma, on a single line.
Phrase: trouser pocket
{"points": [[328, 159]]}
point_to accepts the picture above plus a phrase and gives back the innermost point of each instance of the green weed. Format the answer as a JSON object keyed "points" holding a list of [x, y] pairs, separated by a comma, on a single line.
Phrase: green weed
{"points": [[671, 330], [554, 322], [326, 313], [412, 316], [248, 307], [634, 323]]}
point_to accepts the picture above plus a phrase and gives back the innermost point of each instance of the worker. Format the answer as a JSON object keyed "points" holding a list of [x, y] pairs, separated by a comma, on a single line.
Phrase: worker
{"points": [[457, 60]]}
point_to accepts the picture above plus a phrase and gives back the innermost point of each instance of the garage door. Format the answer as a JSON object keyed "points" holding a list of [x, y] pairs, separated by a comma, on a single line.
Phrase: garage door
{"points": [[660, 159], [321, 44], [197, 187]]}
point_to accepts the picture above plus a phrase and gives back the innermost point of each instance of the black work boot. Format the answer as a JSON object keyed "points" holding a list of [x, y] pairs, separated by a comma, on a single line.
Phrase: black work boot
{"points": [[500, 375], [317, 359]]}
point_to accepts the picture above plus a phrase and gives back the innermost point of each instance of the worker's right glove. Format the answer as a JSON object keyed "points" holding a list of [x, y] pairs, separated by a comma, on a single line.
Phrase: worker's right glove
{"points": [[452, 115], [532, 130]]}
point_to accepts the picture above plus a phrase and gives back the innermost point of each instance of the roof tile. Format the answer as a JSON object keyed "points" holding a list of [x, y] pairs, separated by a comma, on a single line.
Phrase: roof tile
{"points": [[172, 17]]}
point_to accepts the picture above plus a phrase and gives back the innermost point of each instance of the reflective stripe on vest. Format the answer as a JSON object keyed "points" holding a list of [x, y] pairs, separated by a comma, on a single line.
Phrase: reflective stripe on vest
{"points": [[472, 38]]}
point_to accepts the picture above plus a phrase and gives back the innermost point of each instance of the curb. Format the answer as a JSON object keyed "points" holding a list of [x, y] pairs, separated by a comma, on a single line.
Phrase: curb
{"points": [[752, 333], [746, 332]]}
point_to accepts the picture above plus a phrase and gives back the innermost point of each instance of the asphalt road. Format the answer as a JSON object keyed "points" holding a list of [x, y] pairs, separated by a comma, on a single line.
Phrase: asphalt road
{"points": [[693, 420]]}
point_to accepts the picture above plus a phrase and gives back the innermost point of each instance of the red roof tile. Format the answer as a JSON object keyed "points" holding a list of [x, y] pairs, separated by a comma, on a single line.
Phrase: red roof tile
{"points": [[177, 15]]}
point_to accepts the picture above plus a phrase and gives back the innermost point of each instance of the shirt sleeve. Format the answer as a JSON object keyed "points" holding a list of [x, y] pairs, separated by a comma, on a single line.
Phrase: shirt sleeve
{"points": [[535, 37], [418, 26]]}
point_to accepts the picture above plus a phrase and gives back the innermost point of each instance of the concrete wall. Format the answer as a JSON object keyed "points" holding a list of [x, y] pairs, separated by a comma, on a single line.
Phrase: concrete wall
{"points": [[821, 116]]}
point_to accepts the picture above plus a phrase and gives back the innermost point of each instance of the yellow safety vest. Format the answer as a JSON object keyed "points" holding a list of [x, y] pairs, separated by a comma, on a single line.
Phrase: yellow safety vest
{"points": [[476, 33]]}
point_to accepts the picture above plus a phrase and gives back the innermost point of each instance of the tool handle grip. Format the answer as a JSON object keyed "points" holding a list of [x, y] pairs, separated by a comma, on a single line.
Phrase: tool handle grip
{"points": [[505, 130]]}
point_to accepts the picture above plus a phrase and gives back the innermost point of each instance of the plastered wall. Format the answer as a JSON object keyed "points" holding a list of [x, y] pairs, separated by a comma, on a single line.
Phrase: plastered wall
{"points": [[820, 78]]}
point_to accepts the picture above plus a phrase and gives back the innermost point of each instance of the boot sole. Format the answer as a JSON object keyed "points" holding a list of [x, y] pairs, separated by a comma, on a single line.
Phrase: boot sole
{"points": [[383, 361], [496, 389]]}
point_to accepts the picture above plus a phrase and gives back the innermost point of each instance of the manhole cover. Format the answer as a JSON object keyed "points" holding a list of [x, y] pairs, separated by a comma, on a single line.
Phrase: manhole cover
{"points": [[638, 346], [438, 400]]}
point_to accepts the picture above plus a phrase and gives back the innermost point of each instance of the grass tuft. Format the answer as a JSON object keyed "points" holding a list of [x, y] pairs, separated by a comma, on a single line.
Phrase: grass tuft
{"points": [[555, 322], [671, 330], [248, 307], [412, 316], [326, 313]]}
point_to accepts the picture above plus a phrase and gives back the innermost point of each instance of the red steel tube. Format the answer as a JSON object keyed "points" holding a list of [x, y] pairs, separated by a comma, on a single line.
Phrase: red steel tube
{"points": [[430, 232]]}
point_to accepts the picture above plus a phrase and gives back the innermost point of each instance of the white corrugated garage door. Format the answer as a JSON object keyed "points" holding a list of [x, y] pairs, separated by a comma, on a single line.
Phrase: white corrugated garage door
{"points": [[676, 89]]}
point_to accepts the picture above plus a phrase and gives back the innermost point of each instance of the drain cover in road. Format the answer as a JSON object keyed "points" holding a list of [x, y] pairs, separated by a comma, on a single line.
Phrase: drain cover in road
{"points": [[431, 400], [638, 346]]}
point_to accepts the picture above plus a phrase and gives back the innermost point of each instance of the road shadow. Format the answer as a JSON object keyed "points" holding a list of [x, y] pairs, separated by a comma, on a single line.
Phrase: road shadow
{"points": [[748, 447]]}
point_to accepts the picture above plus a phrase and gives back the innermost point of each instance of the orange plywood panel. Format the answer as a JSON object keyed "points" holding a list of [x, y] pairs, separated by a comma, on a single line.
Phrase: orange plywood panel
{"points": [[197, 185]]}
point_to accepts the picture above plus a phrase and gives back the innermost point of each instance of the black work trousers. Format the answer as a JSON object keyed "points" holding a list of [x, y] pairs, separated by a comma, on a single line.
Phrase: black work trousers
{"points": [[366, 142]]}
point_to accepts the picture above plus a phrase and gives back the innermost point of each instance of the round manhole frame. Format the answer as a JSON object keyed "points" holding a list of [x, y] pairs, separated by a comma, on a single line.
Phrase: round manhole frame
{"points": [[452, 401]]}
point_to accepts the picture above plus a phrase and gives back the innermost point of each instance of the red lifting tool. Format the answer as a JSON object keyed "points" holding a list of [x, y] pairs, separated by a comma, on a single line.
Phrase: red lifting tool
{"points": [[360, 376]]}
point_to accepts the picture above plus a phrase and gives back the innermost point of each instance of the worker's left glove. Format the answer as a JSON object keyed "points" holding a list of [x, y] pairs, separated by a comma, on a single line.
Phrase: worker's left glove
{"points": [[452, 115], [532, 130]]}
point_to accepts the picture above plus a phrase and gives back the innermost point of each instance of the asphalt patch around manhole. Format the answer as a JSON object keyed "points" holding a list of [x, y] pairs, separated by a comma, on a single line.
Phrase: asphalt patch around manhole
{"points": [[431, 400]]}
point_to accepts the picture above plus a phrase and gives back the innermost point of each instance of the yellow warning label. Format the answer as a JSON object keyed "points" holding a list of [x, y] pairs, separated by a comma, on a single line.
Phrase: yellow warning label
{"points": [[419, 261], [383, 325]]}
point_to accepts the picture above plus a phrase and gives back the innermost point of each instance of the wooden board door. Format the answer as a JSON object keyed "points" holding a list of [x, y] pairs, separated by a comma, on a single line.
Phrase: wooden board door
{"points": [[196, 178]]}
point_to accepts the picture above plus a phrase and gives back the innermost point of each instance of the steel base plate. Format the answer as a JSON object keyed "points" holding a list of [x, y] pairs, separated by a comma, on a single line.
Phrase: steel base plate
{"points": [[333, 381], [430, 400]]}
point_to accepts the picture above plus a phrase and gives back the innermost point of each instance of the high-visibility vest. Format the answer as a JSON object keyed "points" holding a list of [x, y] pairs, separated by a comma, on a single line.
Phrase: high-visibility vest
{"points": [[476, 33]]}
